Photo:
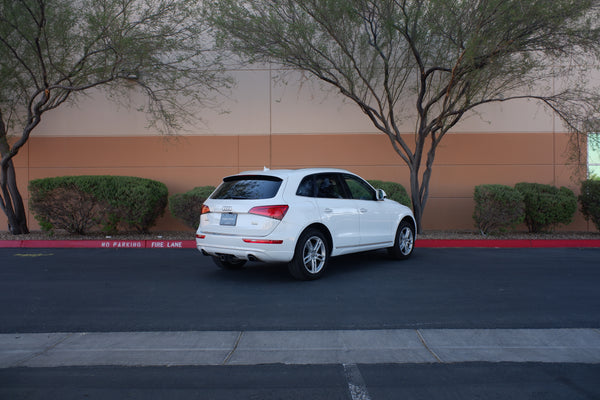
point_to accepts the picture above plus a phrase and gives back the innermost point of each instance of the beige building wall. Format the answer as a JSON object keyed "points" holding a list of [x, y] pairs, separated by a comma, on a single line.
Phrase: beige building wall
{"points": [[282, 120]]}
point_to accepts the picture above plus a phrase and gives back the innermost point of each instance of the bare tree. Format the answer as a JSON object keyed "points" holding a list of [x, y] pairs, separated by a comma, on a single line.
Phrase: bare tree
{"points": [[430, 62], [53, 50]]}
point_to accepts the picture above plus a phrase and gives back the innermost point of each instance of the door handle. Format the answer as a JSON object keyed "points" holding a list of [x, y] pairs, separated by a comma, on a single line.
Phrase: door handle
{"points": [[327, 210], [363, 210]]}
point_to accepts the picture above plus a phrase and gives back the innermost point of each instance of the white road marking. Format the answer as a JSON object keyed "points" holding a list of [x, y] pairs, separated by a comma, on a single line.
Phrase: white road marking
{"points": [[356, 383]]}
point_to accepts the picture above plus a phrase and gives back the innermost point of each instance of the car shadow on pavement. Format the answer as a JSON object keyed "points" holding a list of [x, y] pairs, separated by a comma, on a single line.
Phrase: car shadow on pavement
{"points": [[341, 266], [359, 263], [253, 272]]}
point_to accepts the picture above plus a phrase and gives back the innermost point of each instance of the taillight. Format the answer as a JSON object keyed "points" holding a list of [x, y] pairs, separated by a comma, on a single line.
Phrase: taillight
{"points": [[205, 209], [262, 241], [276, 212]]}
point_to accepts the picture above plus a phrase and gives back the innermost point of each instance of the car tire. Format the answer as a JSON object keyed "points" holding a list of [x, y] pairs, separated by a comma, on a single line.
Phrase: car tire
{"points": [[229, 262], [404, 242], [310, 256]]}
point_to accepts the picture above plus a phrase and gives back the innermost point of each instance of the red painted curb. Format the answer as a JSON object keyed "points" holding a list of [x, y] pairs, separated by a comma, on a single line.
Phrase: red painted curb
{"points": [[100, 244], [191, 244], [507, 243], [566, 243]]}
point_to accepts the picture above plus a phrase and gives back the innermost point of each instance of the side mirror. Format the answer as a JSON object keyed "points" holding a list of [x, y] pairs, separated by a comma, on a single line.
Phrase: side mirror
{"points": [[381, 195]]}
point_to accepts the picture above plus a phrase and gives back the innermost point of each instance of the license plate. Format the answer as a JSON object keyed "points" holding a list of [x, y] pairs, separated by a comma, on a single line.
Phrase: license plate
{"points": [[228, 219]]}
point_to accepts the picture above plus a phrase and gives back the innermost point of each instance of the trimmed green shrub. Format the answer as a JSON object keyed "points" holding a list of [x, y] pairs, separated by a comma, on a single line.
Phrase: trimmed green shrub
{"points": [[187, 206], [393, 190], [115, 202], [67, 208], [546, 206], [589, 200], [497, 208], [135, 203]]}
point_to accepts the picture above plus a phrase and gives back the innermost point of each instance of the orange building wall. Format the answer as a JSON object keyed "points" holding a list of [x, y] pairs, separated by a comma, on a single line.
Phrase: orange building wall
{"points": [[463, 161]]}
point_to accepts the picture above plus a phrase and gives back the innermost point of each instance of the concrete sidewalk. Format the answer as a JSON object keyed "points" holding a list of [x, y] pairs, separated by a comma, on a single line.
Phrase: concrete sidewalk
{"points": [[299, 347]]}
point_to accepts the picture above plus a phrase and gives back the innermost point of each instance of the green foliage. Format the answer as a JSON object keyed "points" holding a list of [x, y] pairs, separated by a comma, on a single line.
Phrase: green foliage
{"points": [[589, 200], [65, 207], [54, 51], [79, 204], [393, 190], [156, 45], [459, 55], [187, 206], [134, 202], [546, 205], [497, 208]]}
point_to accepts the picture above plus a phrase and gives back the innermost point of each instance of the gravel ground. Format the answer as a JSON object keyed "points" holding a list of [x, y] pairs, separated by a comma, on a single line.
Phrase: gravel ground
{"points": [[189, 235]]}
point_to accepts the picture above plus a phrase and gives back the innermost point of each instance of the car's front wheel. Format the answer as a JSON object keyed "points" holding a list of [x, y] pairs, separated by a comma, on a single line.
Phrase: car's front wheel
{"points": [[405, 241], [228, 262], [310, 257]]}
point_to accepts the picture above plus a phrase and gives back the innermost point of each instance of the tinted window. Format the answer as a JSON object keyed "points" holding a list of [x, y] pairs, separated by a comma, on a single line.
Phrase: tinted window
{"points": [[249, 187], [307, 187], [325, 186], [328, 186], [359, 189]]}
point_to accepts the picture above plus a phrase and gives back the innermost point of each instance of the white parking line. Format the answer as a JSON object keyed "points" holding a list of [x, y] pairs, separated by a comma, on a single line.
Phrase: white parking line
{"points": [[356, 383]]}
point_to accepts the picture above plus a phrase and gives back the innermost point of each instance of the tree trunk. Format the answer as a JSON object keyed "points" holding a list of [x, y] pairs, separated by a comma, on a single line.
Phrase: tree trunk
{"points": [[12, 202], [416, 199], [10, 199]]}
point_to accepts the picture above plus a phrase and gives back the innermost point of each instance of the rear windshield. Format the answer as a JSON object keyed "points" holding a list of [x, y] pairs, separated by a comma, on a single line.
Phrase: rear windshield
{"points": [[248, 187]]}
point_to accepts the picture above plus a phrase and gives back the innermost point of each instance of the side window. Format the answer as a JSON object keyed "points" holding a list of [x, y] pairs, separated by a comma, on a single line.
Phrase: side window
{"points": [[328, 186], [307, 187], [359, 189]]}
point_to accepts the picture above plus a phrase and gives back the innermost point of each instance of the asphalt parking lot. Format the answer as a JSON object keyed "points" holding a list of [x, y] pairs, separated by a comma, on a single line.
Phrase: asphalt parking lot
{"points": [[71, 312]]}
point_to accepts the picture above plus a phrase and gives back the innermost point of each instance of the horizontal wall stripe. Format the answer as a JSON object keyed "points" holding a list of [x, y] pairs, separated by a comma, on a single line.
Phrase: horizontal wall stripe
{"points": [[463, 161]]}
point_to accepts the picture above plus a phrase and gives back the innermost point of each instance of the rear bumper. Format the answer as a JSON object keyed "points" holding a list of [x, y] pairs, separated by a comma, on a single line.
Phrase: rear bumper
{"points": [[221, 245]]}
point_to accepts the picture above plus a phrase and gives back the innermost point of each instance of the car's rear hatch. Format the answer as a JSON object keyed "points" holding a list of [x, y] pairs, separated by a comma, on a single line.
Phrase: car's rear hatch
{"points": [[244, 205]]}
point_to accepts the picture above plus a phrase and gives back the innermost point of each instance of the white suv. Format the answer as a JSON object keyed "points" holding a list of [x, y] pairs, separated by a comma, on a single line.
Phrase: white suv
{"points": [[300, 217]]}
